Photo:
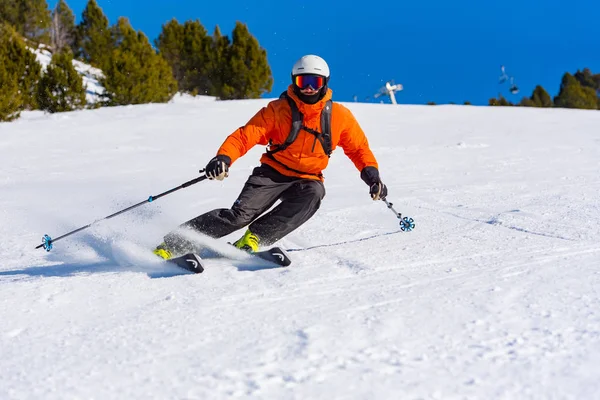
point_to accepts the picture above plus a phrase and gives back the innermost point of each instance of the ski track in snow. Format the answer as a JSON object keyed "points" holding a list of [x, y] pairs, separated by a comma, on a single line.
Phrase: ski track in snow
{"points": [[494, 295]]}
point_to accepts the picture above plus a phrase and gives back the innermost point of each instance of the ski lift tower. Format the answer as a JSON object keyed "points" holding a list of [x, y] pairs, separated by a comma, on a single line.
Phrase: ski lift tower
{"points": [[390, 89]]}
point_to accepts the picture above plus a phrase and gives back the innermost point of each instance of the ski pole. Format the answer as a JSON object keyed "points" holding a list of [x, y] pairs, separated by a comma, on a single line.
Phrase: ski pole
{"points": [[47, 241], [406, 224]]}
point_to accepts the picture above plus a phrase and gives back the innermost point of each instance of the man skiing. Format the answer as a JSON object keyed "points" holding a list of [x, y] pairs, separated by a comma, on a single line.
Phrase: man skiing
{"points": [[301, 128]]}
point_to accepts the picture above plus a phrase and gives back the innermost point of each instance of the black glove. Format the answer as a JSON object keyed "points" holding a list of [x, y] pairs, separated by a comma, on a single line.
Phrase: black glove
{"points": [[377, 189], [218, 167]]}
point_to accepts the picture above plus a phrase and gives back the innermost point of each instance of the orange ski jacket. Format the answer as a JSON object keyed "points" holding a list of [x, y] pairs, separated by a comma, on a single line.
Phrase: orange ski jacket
{"points": [[303, 158]]}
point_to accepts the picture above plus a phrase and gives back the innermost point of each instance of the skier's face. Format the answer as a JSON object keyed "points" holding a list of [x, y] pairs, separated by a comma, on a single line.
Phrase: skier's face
{"points": [[309, 91]]}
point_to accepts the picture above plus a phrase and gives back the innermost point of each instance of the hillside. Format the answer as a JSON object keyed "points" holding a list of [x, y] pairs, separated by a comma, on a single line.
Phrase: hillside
{"points": [[89, 74], [494, 295]]}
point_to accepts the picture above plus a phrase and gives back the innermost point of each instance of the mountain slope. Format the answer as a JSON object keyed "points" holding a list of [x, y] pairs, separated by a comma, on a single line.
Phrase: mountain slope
{"points": [[494, 294], [89, 74]]}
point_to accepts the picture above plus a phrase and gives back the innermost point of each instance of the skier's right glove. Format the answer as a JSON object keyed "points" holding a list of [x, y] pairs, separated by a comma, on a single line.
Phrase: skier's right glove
{"points": [[218, 167], [377, 189]]}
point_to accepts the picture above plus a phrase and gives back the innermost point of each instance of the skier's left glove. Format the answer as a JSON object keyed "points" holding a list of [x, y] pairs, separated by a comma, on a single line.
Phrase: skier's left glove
{"points": [[377, 189], [218, 167]]}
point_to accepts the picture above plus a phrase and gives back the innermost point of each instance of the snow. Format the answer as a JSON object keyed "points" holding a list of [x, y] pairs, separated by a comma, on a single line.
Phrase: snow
{"points": [[494, 295], [89, 74]]}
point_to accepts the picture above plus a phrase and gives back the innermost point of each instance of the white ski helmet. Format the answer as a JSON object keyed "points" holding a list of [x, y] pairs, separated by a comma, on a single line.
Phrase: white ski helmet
{"points": [[311, 64]]}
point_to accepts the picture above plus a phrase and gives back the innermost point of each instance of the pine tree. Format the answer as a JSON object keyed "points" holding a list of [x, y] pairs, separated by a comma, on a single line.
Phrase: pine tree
{"points": [[30, 18], [9, 13], [527, 102], [21, 63], [215, 66], [573, 95], [135, 73], [63, 27], [196, 61], [61, 87], [540, 98], [170, 45], [94, 40], [249, 74], [596, 79], [500, 101], [10, 98], [587, 79], [187, 49], [219, 62]]}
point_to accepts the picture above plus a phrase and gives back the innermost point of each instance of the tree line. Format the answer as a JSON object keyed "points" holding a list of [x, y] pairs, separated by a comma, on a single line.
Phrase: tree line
{"points": [[580, 90], [184, 58]]}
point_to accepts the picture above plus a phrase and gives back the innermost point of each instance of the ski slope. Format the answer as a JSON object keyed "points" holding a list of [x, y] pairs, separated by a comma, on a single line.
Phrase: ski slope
{"points": [[494, 295]]}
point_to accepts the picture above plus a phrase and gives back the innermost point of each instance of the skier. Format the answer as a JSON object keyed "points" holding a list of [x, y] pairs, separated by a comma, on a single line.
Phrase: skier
{"points": [[301, 128]]}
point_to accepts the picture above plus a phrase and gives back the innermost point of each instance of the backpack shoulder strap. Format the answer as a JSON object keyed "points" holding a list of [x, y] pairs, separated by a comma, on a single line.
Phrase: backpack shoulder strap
{"points": [[297, 118], [326, 127]]}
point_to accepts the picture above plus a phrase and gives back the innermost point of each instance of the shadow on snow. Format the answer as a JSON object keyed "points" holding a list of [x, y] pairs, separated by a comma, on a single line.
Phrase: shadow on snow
{"points": [[320, 246]]}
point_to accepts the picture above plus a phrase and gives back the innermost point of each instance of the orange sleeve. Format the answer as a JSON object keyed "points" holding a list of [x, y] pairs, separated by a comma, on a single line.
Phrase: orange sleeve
{"points": [[355, 143], [256, 131]]}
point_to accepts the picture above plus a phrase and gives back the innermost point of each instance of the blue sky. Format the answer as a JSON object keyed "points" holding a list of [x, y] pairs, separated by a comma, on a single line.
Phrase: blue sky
{"points": [[441, 51]]}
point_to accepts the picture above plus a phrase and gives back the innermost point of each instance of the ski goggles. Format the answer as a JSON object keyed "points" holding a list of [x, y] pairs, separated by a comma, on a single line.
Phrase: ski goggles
{"points": [[314, 81]]}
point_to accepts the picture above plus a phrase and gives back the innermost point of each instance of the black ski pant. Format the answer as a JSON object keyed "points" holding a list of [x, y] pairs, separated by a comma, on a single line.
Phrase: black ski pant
{"points": [[300, 199]]}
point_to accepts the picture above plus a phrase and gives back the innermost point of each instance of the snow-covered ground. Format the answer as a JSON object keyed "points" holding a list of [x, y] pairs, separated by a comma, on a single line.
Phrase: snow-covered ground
{"points": [[494, 295], [89, 74]]}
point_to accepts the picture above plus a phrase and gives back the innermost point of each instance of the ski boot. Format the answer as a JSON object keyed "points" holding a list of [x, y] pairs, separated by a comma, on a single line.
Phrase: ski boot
{"points": [[163, 251], [248, 242]]}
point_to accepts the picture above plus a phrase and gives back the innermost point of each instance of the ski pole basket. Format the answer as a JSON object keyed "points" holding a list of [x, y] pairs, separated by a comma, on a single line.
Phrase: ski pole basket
{"points": [[406, 224]]}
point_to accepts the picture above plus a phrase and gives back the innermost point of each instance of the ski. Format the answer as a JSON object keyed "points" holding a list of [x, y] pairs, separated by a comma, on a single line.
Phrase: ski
{"points": [[275, 255], [194, 263], [191, 262]]}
